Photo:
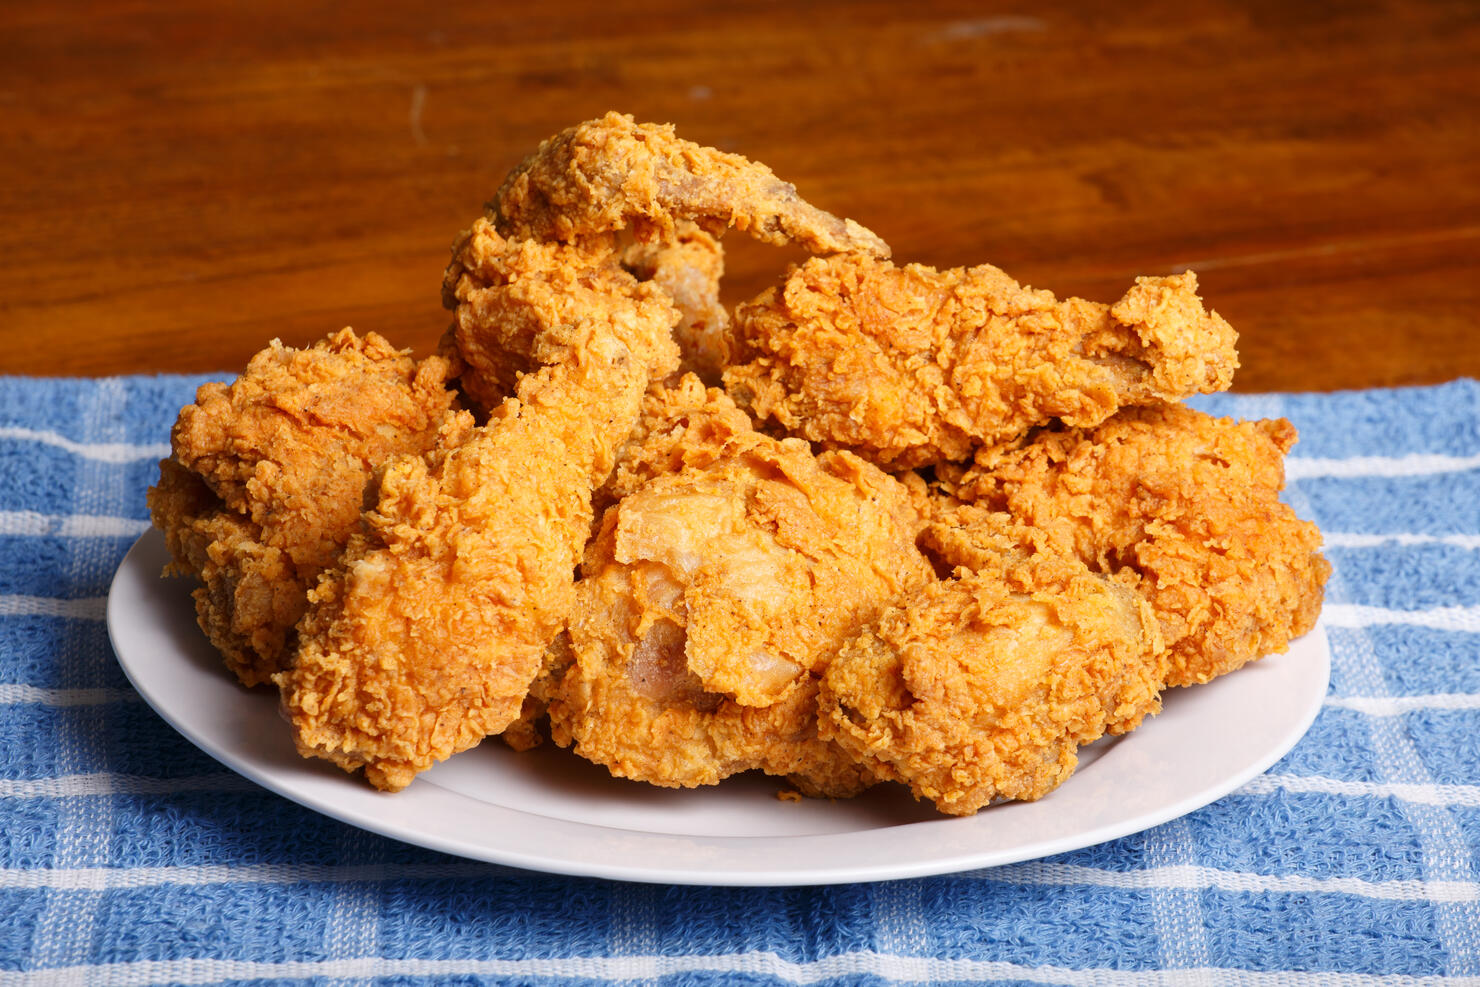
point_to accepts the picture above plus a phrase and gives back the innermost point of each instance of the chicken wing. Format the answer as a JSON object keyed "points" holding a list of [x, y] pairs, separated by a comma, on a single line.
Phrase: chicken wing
{"points": [[613, 173], [910, 366], [583, 187]]}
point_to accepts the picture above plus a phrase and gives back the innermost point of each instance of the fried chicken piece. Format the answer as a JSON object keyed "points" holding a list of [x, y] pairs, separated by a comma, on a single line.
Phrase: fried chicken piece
{"points": [[910, 366], [689, 269], [266, 480], [614, 173], [982, 687], [1182, 507], [583, 187], [716, 594], [427, 636]]}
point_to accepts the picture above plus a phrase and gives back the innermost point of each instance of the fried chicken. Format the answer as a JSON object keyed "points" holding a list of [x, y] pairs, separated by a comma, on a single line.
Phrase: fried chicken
{"points": [[910, 366], [586, 534], [683, 425], [613, 174], [982, 687], [427, 635], [582, 188], [513, 302], [716, 593], [1182, 507], [266, 480]]}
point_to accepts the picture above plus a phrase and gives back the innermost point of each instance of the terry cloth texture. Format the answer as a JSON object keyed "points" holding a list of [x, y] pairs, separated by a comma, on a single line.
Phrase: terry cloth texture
{"points": [[127, 856]]}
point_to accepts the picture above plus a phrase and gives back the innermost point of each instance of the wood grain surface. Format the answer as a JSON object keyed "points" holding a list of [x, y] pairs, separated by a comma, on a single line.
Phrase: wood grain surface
{"points": [[181, 183]]}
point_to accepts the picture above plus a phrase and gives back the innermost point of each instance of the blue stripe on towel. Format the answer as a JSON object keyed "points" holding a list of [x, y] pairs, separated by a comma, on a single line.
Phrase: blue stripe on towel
{"points": [[55, 566], [133, 410], [1437, 661], [1430, 505], [58, 653], [1448, 743], [1409, 577]]}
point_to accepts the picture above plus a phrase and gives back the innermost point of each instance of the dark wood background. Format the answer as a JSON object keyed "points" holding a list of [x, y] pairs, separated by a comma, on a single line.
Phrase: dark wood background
{"points": [[180, 183]]}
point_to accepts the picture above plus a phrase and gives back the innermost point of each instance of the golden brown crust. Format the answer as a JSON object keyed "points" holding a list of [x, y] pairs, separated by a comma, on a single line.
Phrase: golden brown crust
{"points": [[747, 601], [613, 173], [427, 635], [715, 595], [267, 479], [1185, 509], [688, 269], [520, 305], [983, 687], [910, 366]]}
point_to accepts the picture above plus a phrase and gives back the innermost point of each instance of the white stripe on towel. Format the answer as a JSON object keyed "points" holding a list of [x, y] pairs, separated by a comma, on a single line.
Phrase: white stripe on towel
{"points": [[85, 608], [1467, 796], [105, 452], [1344, 539], [1179, 877], [1415, 464], [104, 783], [69, 525], [644, 968], [123, 878], [16, 694], [1437, 618], [1398, 705]]}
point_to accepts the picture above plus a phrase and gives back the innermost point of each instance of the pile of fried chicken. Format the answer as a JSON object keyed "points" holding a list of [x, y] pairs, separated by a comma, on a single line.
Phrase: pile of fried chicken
{"points": [[881, 523]]}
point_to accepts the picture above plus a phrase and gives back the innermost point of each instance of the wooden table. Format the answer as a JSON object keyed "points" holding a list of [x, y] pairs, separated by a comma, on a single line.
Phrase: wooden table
{"points": [[180, 183]]}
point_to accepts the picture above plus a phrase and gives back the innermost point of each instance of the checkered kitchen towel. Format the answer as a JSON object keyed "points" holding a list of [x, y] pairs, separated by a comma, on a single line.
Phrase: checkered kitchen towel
{"points": [[129, 857]]}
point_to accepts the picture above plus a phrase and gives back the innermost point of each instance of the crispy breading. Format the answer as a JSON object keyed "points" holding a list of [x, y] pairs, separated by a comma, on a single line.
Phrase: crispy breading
{"points": [[426, 636], [268, 473], [716, 594], [613, 174], [688, 269], [683, 425], [619, 555], [910, 366], [580, 192], [983, 687], [1182, 507]]}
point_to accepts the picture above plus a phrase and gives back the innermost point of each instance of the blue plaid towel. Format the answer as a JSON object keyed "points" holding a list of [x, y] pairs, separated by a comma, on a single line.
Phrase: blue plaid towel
{"points": [[129, 857]]}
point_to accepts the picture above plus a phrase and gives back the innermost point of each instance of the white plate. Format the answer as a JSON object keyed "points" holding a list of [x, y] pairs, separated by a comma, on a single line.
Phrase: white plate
{"points": [[548, 810]]}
